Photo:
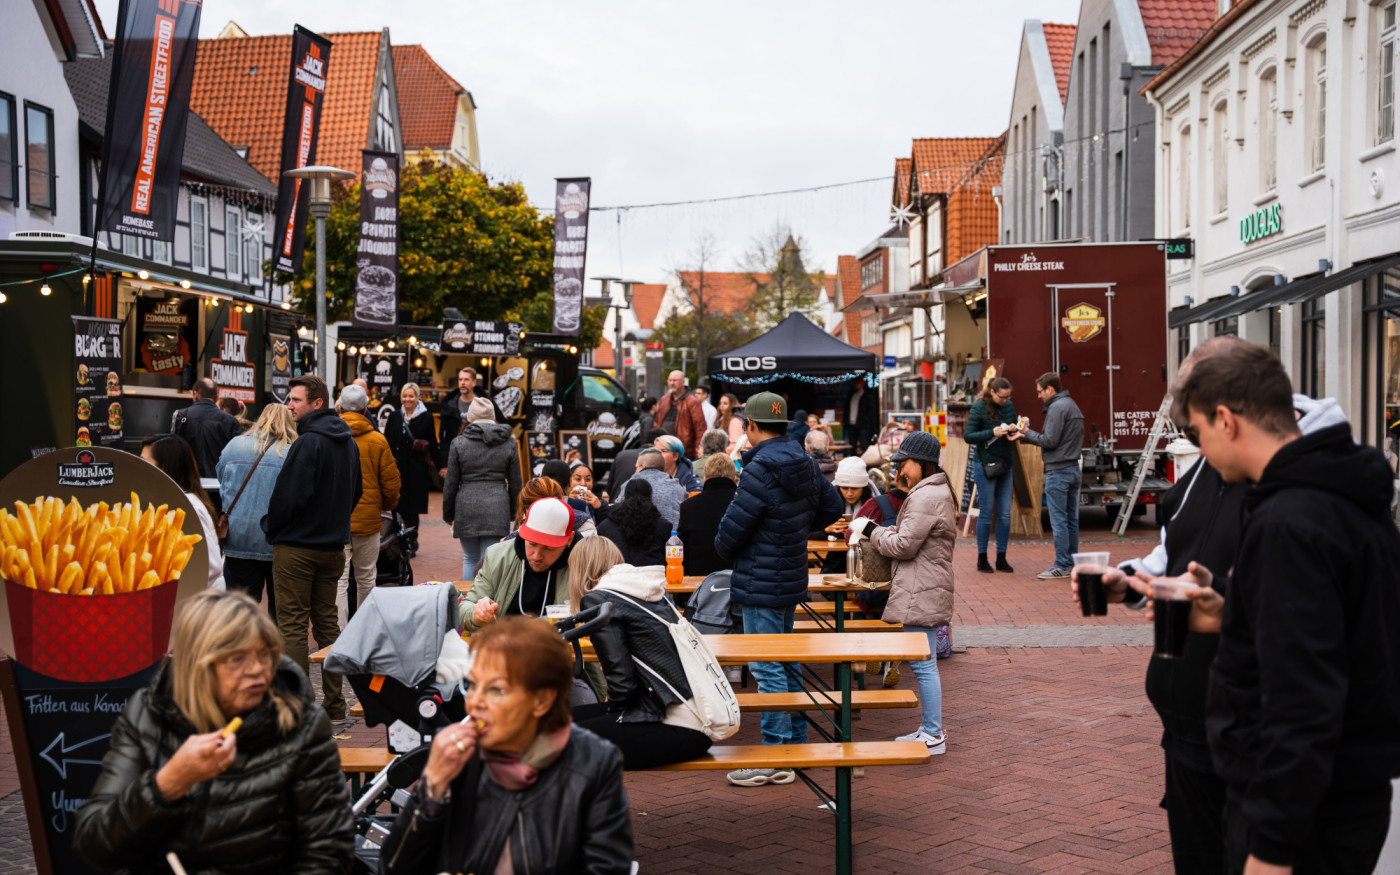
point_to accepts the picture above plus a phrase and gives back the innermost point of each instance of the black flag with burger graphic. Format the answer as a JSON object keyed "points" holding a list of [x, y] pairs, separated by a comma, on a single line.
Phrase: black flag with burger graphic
{"points": [[148, 103], [377, 257], [306, 93]]}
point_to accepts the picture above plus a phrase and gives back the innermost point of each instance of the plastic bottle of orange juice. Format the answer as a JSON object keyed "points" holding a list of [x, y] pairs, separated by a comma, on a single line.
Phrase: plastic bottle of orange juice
{"points": [[675, 558]]}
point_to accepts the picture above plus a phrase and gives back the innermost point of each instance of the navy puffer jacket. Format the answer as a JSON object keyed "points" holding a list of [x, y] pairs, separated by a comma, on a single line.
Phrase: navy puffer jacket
{"points": [[782, 496]]}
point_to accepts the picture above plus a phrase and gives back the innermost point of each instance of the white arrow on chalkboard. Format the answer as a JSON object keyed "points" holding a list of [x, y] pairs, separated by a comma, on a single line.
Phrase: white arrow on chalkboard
{"points": [[63, 762]]}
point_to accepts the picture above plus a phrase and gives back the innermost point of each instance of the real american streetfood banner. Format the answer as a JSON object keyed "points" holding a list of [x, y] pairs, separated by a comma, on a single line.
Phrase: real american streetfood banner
{"points": [[306, 92], [148, 101]]}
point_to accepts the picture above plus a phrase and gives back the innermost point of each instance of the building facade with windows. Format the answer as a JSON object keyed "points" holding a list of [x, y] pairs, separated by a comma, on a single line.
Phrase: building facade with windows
{"points": [[1032, 203], [1276, 155]]}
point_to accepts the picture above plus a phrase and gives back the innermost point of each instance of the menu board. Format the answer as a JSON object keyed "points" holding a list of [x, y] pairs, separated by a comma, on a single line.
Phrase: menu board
{"points": [[508, 388], [231, 371], [97, 382], [576, 442], [473, 337], [541, 448], [541, 403], [83, 637], [385, 372], [168, 332]]}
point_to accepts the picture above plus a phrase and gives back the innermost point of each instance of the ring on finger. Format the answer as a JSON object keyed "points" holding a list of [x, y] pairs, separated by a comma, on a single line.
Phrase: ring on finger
{"points": [[461, 748]]}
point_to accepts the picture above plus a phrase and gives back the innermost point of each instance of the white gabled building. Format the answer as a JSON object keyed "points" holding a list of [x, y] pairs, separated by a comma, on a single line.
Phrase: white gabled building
{"points": [[1276, 155]]}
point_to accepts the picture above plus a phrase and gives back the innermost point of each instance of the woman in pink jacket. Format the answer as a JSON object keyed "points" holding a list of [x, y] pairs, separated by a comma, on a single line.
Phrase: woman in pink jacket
{"points": [[921, 589]]}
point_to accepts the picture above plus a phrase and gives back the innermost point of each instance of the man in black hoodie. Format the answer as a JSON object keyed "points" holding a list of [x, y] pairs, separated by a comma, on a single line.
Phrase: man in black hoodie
{"points": [[308, 526], [1303, 710]]}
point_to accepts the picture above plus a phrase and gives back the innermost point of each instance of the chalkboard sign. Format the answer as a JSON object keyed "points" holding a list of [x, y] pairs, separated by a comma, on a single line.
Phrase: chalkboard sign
{"points": [[541, 448], [67, 727], [576, 440]]}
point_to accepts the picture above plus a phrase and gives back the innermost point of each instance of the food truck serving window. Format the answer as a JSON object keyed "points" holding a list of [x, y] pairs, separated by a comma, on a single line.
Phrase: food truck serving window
{"points": [[600, 392]]}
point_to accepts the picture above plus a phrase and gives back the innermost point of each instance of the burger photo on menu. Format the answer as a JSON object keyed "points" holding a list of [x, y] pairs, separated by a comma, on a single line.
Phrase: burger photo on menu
{"points": [[114, 416], [84, 438], [83, 377], [84, 409], [114, 384]]}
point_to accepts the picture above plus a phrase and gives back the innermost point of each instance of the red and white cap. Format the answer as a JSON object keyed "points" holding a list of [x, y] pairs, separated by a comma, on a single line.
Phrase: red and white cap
{"points": [[550, 523]]}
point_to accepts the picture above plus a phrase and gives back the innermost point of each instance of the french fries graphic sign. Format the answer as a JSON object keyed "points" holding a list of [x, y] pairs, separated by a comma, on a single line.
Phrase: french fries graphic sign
{"points": [[96, 548]]}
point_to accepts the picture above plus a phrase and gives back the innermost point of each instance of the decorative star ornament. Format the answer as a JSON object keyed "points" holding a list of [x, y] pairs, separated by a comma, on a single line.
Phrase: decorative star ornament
{"points": [[252, 229], [902, 215]]}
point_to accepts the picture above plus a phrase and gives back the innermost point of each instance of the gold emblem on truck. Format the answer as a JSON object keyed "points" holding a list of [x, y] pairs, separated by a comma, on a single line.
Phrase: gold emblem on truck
{"points": [[1082, 322]]}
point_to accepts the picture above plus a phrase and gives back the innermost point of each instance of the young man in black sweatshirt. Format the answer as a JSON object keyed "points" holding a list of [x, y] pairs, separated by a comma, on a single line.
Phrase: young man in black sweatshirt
{"points": [[1303, 710]]}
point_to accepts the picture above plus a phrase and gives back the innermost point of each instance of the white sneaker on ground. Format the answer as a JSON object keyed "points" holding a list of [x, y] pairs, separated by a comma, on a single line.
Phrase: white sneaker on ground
{"points": [[1053, 574], [759, 777], [936, 744]]}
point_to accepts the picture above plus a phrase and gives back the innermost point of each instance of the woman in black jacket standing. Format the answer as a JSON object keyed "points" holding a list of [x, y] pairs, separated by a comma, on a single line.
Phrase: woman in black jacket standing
{"points": [[990, 420], [268, 797], [700, 516], [413, 438], [637, 527], [649, 720]]}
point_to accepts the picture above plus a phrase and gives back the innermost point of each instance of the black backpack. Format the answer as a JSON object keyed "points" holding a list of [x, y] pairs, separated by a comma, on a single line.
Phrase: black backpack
{"points": [[709, 609]]}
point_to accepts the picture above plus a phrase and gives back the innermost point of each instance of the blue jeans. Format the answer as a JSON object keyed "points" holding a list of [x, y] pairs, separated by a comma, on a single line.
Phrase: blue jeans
{"points": [[1062, 500], [993, 497], [779, 727], [930, 687], [472, 550]]}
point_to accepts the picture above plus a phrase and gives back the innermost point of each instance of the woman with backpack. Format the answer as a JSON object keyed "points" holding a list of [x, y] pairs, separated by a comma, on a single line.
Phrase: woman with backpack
{"points": [[649, 713], [990, 420], [921, 588]]}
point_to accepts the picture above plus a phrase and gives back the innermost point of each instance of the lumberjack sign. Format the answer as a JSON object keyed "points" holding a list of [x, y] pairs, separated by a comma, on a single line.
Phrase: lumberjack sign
{"points": [[306, 92], [148, 100]]}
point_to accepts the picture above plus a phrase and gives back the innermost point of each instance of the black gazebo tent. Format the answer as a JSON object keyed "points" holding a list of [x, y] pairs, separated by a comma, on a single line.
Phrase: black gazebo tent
{"points": [[793, 353]]}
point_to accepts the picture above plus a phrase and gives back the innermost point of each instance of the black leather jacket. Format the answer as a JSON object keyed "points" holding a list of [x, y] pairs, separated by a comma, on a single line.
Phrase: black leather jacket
{"points": [[282, 806], [634, 696], [208, 430], [573, 820]]}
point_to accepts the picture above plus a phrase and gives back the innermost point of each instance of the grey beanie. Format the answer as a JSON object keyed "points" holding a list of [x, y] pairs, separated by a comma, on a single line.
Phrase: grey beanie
{"points": [[919, 445]]}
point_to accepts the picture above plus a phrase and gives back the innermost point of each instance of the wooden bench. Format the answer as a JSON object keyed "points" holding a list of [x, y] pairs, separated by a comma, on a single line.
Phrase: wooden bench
{"points": [[357, 762], [806, 756], [850, 626], [754, 702]]}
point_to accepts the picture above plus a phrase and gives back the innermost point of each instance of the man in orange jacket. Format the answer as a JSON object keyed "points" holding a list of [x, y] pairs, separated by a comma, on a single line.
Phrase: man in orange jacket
{"points": [[380, 477]]}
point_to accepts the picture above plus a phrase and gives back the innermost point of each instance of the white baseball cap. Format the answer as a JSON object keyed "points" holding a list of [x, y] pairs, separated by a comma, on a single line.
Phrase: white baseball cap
{"points": [[549, 523], [850, 471]]}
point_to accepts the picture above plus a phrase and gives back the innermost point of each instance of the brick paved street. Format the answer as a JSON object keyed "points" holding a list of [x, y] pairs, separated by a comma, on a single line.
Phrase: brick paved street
{"points": [[1052, 763]]}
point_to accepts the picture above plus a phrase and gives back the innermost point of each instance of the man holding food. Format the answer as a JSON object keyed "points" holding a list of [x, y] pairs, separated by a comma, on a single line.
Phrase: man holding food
{"points": [[308, 526], [1061, 441]]}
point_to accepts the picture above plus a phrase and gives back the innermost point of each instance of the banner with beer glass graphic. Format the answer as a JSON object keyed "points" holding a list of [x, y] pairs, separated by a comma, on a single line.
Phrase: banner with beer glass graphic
{"points": [[148, 102], [377, 257], [306, 93], [570, 249]]}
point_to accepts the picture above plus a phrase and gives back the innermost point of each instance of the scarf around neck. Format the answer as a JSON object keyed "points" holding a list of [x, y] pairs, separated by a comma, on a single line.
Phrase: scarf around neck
{"points": [[520, 771]]}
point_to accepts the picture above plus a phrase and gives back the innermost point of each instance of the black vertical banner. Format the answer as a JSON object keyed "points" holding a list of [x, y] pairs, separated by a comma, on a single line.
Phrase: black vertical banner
{"points": [[281, 366], [148, 101], [377, 258], [570, 248], [97, 382], [306, 93]]}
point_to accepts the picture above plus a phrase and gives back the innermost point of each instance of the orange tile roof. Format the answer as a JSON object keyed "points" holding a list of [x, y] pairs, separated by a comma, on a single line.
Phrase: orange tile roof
{"points": [[724, 292], [1173, 26], [646, 302], [848, 269], [240, 89], [1059, 39], [603, 355], [901, 181], [428, 99], [1218, 26], [942, 164]]}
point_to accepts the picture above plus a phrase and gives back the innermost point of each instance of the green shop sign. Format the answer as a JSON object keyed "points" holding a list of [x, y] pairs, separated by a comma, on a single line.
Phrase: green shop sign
{"points": [[1261, 223]]}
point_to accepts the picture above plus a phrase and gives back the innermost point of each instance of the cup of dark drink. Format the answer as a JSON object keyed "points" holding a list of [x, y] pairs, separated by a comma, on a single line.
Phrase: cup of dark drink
{"points": [[1171, 617], [1089, 569]]}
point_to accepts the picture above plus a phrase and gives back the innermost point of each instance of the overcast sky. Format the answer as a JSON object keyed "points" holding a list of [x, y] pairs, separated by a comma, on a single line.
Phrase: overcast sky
{"points": [[668, 101]]}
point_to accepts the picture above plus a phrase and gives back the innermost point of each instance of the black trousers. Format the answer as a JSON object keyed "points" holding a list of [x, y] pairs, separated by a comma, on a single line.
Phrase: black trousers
{"points": [[1195, 804], [643, 745], [251, 576], [1347, 838]]}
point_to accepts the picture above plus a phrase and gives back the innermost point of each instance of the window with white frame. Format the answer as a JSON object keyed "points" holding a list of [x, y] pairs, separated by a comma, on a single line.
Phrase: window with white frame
{"points": [[199, 234], [870, 329], [233, 242], [872, 271], [131, 245], [1268, 130], [1220, 158], [1385, 90], [160, 251], [252, 243], [1183, 181], [38, 149], [1316, 107], [9, 150]]}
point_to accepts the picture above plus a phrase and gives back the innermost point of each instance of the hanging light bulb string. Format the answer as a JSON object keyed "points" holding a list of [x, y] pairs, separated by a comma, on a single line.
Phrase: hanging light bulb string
{"points": [[872, 378], [45, 278]]}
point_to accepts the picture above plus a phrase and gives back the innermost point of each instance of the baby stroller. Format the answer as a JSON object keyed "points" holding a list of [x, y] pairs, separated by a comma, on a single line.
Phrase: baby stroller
{"points": [[392, 567], [389, 652]]}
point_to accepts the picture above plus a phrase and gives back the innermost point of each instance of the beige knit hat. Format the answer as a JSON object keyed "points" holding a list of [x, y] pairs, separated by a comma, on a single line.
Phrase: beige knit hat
{"points": [[480, 410]]}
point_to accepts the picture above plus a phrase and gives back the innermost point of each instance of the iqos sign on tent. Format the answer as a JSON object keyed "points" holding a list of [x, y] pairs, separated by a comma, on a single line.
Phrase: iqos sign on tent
{"points": [[749, 363]]}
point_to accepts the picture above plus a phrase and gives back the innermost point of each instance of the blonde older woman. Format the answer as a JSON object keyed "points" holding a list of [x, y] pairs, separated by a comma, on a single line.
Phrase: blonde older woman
{"points": [[413, 438], [247, 471], [266, 798]]}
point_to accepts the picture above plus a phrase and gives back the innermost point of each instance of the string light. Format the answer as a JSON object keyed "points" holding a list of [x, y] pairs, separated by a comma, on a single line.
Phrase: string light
{"points": [[301, 330], [872, 379], [3, 297], [144, 274], [45, 290], [184, 284], [379, 347], [340, 346], [391, 344]]}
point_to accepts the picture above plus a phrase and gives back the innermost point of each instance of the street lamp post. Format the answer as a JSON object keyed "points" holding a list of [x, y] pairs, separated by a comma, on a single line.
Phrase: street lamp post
{"points": [[319, 177], [617, 309]]}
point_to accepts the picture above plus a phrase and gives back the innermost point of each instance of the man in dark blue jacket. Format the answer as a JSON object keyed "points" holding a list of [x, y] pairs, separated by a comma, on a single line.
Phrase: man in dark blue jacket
{"points": [[782, 496], [308, 526]]}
